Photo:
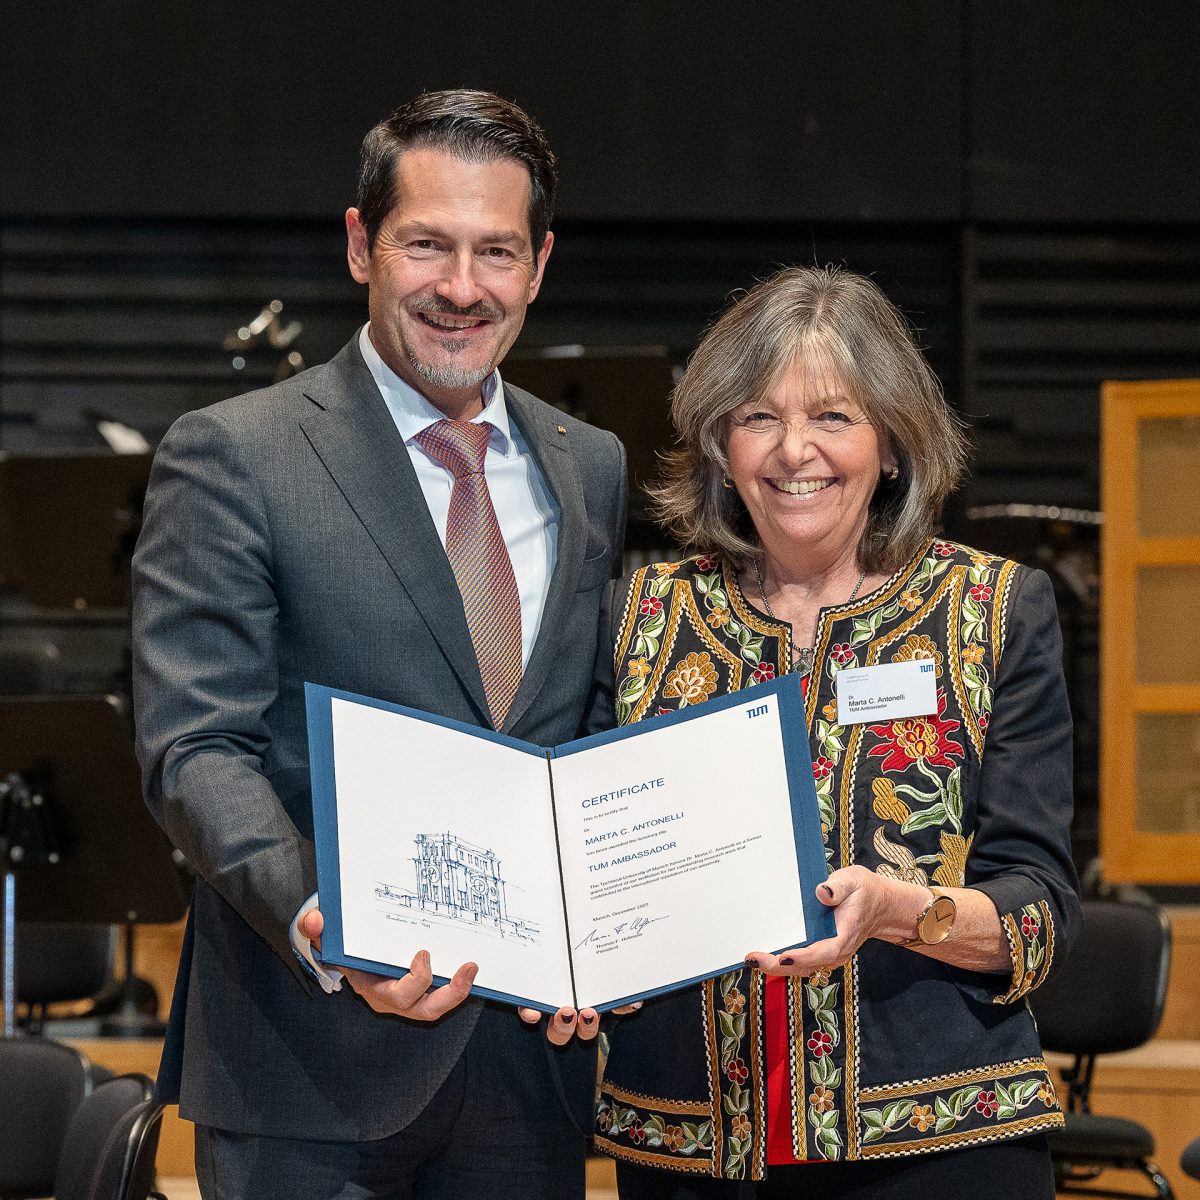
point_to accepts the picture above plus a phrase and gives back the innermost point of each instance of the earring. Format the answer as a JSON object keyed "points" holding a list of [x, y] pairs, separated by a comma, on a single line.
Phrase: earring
{"points": [[894, 474], [726, 483]]}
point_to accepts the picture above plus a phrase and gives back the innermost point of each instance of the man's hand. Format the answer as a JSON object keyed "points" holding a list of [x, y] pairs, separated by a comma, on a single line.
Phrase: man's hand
{"points": [[413, 996], [566, 1023]]}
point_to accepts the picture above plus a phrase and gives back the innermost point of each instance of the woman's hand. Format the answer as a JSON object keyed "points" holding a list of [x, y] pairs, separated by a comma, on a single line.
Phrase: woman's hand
{"points": [[566, 1023], [865, 905]]}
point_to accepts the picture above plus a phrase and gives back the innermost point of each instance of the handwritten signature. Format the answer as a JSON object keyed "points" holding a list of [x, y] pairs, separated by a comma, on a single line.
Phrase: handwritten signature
{"points": [[624, 932]]}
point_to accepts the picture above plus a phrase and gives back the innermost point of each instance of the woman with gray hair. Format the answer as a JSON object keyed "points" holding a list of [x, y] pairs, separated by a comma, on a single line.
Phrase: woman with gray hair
{"points": [[897, 1058]]}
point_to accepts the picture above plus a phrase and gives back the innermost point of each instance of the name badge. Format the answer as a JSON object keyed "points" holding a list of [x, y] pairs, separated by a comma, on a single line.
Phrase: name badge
{"points": [[886, 693]]}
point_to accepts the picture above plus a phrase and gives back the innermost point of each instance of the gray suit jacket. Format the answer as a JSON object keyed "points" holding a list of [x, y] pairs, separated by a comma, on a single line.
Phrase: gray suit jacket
{"points": [[286, 539]]}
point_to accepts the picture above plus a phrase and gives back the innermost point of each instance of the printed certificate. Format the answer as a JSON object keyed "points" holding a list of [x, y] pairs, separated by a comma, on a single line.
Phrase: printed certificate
{"points": [[606, 870]]}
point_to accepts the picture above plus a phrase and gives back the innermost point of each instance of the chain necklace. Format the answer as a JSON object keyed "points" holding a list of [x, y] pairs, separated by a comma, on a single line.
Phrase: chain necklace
{"points": [[802, 656]]}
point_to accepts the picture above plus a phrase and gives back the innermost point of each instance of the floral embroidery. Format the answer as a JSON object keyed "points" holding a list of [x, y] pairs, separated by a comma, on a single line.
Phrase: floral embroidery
{"points": [[972, 655], [822, 767], [718, 617], [1005, 1095], [887, 805], [820, 1043], [736, 1098], [643, 1127], [953, 870], [821, 1099], [945, 549], [919, 646], [1030, 926], [1031, 944], [901, 862], [650, 606], [693, 681], [667, 568], [922, 1117], [640, 667], [909, 599], [918, 739], [705, 562], [981, 593], [841, 653], [763, 672]]}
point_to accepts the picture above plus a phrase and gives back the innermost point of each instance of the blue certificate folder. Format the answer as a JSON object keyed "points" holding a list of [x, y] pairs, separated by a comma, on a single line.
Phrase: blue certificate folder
{"points": [[613, 868]]}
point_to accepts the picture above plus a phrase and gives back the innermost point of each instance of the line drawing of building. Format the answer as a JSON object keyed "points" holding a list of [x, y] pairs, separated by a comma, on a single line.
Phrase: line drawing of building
{"points": [[461, 882]]}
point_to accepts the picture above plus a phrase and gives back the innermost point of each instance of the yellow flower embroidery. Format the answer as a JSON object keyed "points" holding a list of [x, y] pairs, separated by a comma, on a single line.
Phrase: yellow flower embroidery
{"points": [[740, 1126], [820, 977], [888, 806], [973, 653], [718, 617], [1046, 1095], [672, 1138], [922, 1117], [693, 681], [821, 1099], [829, 712], [667, 568], [639, 667], [910, 599], [735, 1002], [953, 869], [918, 645]]}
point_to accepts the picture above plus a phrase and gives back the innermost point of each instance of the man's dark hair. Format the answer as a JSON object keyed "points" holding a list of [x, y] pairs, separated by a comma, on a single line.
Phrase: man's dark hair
{"points": [[473, 126]]}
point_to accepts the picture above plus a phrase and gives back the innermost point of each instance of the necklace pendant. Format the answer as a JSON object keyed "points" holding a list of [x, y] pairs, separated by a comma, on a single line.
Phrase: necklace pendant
{"points": [[802, 660]]}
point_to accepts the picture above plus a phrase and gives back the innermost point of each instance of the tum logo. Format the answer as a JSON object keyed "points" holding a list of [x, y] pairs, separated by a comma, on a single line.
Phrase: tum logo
{"points": [[926, 668], [759, 710]]}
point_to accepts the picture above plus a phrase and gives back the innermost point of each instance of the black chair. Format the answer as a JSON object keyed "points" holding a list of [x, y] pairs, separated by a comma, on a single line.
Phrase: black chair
{"points": [[1107, 997], [41, 1084], [58, 963], [110, 1145], [1190, 1160]]}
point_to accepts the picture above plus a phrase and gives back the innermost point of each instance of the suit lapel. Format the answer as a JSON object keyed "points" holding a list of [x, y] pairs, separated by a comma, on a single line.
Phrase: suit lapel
{"points": [[354, 435], [553, 454]]}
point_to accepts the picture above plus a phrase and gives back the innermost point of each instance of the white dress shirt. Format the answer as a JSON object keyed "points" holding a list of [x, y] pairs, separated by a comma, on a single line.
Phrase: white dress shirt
{"points": [[526, 511]]}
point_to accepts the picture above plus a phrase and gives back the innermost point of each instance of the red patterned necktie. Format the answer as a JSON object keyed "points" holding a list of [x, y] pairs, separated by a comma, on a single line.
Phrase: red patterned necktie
{"points": [[479, 559]]}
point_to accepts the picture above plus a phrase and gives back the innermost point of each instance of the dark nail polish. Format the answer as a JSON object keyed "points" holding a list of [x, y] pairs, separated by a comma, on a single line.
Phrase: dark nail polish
{"points": [[752, 962], [787, 962], [569, 1020], [588, 1020]]}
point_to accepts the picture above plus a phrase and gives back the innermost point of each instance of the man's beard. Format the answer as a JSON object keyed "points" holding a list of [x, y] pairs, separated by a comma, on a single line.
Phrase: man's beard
{"points": [[450, 377]]}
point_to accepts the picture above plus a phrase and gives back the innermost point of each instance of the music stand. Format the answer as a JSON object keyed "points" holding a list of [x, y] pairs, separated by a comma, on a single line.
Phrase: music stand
{"points": [[74, 831]]}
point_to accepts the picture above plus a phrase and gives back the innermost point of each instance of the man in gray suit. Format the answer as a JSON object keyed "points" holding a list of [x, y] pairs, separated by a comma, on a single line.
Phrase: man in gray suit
{"points": [[322, 529]]}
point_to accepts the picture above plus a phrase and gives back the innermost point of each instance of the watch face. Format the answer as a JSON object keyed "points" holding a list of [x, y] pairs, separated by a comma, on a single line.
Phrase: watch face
{"points": [[937, 921]]}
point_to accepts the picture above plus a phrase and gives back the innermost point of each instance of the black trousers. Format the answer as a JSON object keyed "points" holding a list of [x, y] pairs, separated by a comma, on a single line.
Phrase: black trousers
{"points": [[1013, 1170], [496, 1128]]}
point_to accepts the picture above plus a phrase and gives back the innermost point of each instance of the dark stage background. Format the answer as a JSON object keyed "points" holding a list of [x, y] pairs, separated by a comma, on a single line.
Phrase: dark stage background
{"points": [[1020, 178]]}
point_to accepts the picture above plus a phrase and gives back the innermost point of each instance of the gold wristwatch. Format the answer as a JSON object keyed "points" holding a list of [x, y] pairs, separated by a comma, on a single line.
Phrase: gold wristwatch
{"points": [[936, 920]]}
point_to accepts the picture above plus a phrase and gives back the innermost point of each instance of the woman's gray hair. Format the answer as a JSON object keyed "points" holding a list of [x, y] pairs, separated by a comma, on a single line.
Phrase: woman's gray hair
{"points": [[797, 313]]}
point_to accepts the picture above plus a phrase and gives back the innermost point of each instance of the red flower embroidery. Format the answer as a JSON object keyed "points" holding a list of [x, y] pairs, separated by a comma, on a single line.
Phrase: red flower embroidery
{"points": [[705, 562], [820, 1043], [986, 1104], [650, 605], [918, 739], [984, 721], [637, 1132], [763, 672], [822, 768], [981, 592], [842, 653], [943, 548], [1029, 927], [737, 1071]]}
